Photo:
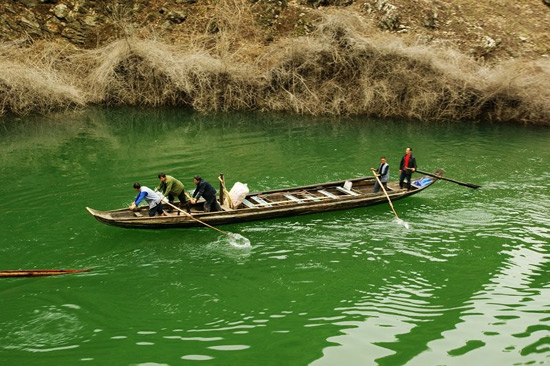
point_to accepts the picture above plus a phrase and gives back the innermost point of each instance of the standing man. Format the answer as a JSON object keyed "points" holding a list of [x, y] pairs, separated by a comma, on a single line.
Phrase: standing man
{"points": [[205, 189], [406, 168], [383, 173], [171, 188], [152, 198]]}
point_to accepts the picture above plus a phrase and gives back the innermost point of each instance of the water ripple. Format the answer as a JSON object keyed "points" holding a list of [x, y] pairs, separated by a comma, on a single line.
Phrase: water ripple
{"points": [[46, 329]]}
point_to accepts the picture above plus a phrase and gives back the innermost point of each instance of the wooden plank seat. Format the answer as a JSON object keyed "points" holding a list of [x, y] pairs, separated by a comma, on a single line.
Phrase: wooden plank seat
{"points": [[293, 198], [347, 191], [328, 194], [261, 201], [312, 198], [248, 204]]}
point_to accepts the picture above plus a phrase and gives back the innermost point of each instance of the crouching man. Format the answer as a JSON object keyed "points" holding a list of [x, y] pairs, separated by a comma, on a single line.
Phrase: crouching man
{"points": [[205, 189], [152, 198]]}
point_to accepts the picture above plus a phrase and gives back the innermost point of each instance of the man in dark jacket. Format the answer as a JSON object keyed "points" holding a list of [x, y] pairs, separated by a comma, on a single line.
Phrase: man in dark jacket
{"points": [[205, 190], [406, 168]]}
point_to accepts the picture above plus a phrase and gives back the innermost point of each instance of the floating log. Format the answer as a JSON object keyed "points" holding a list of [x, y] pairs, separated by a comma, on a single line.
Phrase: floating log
{"points": [[40, 272]]}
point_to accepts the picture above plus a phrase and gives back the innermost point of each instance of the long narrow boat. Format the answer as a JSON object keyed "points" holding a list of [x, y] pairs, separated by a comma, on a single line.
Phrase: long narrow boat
{"points": [[40, 272], [264, 205]]}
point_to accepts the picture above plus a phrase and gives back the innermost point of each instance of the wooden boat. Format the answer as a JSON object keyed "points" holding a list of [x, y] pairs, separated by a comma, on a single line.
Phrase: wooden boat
{"points": [[40, 272], [270, 204]]}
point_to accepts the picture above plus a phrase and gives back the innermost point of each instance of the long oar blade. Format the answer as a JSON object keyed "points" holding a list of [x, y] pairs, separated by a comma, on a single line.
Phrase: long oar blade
{"points": [[469, 185]]}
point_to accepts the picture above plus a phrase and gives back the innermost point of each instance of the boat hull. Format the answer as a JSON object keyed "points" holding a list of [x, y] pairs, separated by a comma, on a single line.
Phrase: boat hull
{"points": [[362, 198]]}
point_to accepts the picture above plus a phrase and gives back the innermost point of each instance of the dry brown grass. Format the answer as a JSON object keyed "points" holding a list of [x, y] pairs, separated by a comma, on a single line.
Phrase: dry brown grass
{"points": [[30, 80], [340, 69]]}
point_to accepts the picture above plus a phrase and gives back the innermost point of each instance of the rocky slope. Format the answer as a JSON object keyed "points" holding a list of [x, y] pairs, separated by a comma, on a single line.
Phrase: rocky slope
{"points": [[493, 30], [430, 60]]}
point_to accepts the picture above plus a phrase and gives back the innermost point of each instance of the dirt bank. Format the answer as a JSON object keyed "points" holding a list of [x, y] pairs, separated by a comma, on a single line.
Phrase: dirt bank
{"points": [[430, 60]]}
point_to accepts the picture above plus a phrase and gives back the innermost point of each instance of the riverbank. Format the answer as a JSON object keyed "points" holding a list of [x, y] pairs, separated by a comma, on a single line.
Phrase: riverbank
{"points": [[428, 61]]}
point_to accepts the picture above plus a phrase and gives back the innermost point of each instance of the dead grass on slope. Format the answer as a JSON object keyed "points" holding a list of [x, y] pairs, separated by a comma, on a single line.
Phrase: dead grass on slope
{"points": [[340, 69]]}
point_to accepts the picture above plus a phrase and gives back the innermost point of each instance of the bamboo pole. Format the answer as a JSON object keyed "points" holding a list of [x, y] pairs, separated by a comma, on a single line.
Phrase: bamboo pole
{"points": [[386, 193], [222, 186], [197, 220], [40, 272], [469, 185]]}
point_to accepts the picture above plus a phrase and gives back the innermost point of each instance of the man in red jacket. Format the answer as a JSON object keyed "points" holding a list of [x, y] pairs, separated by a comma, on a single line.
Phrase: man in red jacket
{"points": [[406, 168]]}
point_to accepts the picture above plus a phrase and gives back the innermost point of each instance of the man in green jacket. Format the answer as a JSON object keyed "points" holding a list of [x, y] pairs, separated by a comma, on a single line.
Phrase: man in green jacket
{"points": [[171, 188]]}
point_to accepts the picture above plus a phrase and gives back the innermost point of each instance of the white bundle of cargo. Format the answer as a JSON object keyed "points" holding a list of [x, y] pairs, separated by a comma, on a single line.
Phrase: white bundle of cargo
{"points": [[238, 193]]}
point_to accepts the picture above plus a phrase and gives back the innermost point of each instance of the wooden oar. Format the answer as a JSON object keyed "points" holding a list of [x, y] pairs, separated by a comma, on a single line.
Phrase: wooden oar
{"points": [[197, 220], [386, 193], [470, 185], [40, 272]]}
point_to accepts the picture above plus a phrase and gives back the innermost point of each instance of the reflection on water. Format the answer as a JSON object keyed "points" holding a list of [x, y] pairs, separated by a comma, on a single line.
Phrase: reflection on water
{"points": [[467, 281]]}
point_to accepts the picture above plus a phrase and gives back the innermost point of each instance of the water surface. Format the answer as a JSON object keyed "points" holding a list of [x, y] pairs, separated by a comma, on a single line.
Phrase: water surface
{"points": [[468, 281]]}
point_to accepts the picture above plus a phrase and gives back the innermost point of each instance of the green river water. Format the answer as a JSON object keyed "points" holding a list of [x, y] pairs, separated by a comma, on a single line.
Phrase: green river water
{"points": [[467, 284]]}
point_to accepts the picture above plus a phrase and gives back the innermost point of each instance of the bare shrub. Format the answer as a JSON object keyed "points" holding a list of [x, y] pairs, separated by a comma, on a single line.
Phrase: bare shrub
{"points": [[518, 91], [228, 30], [30, 82], [340, 69], [145, 72]]}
